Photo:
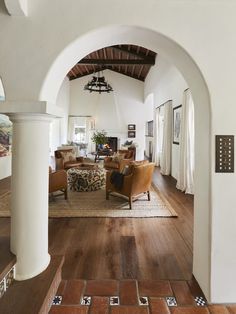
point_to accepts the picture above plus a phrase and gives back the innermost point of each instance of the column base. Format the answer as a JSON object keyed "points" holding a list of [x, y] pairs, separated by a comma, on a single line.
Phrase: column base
{"points": [[20, 277]]}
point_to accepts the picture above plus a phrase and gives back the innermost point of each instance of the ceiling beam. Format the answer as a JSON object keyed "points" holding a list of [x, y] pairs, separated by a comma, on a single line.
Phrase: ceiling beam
{"points": [[123, 73], [133, 52], [146, 61], [89, 72]]}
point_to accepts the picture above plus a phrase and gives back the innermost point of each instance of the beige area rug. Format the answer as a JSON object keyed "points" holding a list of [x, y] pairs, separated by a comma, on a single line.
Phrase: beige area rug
{"points": [[94, 204]]}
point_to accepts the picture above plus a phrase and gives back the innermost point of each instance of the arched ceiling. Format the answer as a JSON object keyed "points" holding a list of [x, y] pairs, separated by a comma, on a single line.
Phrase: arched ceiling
{"points": [[130, 60]]}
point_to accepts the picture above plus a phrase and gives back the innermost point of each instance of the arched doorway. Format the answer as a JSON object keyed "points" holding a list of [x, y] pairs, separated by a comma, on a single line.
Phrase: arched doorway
{"points": [[157, 42], [185, 64]]}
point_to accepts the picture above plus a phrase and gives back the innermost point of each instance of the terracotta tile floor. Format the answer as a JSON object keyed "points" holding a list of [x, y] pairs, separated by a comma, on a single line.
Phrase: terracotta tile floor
{"points": [[134, 297]]}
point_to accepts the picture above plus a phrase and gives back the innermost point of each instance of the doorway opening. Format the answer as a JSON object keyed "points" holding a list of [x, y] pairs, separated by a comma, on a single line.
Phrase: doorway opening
{"points": [[176, 55]]}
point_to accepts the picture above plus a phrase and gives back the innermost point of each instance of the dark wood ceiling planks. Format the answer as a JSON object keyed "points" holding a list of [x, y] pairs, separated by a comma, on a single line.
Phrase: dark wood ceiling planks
{"points": [[130, 60]]}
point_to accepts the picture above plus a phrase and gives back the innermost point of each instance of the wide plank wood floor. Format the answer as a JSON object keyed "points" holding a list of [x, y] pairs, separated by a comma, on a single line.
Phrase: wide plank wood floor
{"points": [[125, 248]]}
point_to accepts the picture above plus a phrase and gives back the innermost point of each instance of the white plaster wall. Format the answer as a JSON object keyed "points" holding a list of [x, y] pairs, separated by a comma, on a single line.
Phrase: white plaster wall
{"points": [[59, 126], [197, 27], [165, 82], [114, 111], [2, 94], [5, 167]]}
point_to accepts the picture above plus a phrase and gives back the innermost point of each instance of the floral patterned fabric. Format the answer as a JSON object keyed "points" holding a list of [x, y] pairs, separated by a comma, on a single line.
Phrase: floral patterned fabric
{"points": [[68, 156], [85, 180]]}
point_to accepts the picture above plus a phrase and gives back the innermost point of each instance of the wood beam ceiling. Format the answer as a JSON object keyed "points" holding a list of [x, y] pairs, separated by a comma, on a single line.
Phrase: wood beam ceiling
{"points": [[147, 61], [130, 60]]}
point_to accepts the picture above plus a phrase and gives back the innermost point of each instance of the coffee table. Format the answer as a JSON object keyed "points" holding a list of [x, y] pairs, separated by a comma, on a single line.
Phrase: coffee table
{"points": [[102, 153], [86, 178]]}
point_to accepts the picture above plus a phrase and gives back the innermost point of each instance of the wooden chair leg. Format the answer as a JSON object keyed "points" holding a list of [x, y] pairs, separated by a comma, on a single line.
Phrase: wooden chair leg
{"points": [[148, 194], [107, 195], [130, 202], [65, 194]]}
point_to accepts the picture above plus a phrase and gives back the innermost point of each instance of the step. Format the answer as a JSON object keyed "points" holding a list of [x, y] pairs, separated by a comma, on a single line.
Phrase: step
{"points": [[7, 263], [33, 295]]}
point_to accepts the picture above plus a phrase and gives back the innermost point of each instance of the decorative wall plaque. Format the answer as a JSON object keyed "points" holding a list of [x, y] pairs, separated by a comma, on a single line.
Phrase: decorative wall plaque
{"points": [[224, 153]]}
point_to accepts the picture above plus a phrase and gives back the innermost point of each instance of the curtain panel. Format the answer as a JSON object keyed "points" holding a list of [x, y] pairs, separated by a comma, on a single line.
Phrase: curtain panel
{"points": [[165, 155], [185, 180], [156, 141]]}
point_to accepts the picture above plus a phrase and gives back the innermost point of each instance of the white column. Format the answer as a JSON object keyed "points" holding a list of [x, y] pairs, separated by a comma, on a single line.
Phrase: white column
{"points": [[29, 207]]}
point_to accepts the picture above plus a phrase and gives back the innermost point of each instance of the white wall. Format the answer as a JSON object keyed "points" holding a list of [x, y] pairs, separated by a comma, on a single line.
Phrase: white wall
{"points": [[2, 94], [114, 111], [5, 167], [165, 82], [58, 127]]}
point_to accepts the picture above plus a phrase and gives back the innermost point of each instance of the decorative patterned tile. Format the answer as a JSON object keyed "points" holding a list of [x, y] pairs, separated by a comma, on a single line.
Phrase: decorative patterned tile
{"points": [[10, 277], [114, 300], [57, 300], [143, 300], [2, 287], [86, 300], [171, 301], [200, 301]]}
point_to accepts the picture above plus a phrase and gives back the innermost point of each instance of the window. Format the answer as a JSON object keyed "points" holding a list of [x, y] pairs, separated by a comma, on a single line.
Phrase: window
{"points": [[80, 134]]}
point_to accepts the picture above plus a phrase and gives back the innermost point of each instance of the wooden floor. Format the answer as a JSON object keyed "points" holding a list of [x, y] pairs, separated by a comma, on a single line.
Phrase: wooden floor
{"points": [[124, 248]]}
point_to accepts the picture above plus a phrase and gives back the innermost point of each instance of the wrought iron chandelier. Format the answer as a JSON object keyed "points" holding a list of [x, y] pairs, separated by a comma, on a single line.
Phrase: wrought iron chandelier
{"points": [[98, 84]]}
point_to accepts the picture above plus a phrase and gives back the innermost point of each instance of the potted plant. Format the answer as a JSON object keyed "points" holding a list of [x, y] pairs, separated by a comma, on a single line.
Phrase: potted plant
{"points": [[99, 138]]}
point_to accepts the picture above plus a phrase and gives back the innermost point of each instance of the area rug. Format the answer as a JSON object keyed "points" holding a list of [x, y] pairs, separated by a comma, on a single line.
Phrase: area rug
{"points": [[94, 204]]}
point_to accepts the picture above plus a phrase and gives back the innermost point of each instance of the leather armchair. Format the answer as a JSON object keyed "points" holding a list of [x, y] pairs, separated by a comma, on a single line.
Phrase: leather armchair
{"points": [[111, 163], [58, 182], [62, 163], [137, 182]]}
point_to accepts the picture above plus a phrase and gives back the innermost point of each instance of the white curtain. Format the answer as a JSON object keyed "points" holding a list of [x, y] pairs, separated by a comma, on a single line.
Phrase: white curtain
{"points": [[90, 126], [156, 141], [165, 156], [72, 122], [185, 180]]}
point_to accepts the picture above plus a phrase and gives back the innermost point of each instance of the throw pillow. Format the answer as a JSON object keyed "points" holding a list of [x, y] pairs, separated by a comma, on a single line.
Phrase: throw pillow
{"points": [[127, 170], [68, 156], [118, 157]]}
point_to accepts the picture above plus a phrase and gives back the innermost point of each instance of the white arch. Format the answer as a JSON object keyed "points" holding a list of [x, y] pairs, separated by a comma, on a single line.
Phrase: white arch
{"points": [[17, 7], [112, 35], [2, 92]]}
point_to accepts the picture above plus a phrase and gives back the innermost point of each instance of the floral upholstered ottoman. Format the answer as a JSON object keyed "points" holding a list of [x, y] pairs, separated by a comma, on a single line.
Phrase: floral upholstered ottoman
{"points": [[85, 180]]}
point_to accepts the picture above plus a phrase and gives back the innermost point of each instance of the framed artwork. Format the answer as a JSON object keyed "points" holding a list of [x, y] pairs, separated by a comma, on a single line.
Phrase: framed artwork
{"points": [[131, 133], [176, 124], [131, 126]]}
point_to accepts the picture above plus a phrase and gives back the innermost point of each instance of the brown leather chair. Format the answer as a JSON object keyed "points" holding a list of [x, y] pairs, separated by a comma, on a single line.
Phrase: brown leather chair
{"points": [[61, 163], [134, 184], [58, 182], [111, 163]]}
